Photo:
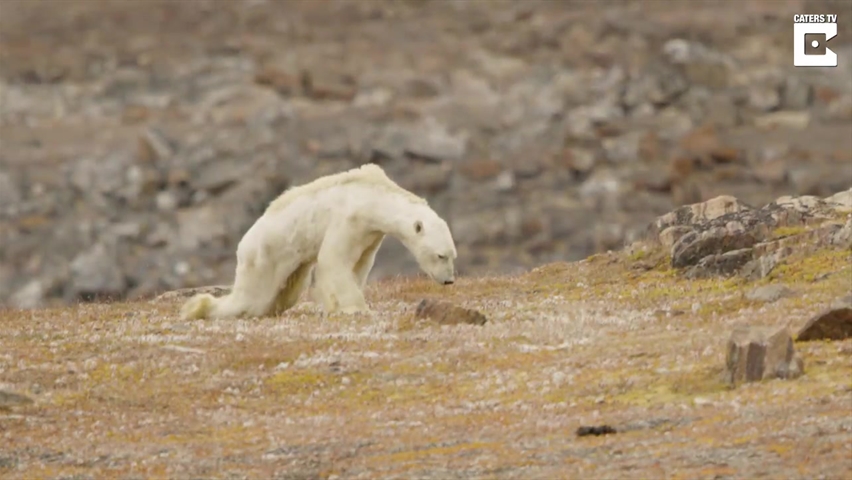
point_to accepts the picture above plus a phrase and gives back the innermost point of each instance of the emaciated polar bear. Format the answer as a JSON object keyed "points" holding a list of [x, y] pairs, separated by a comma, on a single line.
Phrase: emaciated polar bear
{"points": [[332, 226]]}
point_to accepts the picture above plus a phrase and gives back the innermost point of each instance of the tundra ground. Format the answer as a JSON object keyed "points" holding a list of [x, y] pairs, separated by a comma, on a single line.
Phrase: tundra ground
{"points": [[128, 391]]}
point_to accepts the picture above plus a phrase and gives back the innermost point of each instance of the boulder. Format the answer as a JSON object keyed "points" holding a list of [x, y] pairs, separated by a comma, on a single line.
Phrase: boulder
{"points": [[834, 323], [769, 293], [446, 313], [761, 353]]}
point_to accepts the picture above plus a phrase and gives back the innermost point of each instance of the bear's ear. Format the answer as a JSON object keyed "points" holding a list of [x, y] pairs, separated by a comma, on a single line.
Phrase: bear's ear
{"points": [[418, 226]]}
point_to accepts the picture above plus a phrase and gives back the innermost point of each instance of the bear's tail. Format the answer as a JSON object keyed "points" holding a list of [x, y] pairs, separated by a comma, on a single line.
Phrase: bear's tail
{"points": [[198, 307], [204, 305]]}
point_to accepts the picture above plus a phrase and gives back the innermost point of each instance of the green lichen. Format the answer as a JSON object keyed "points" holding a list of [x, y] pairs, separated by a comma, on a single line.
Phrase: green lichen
{"points": [[788, 231], [811, 267]]}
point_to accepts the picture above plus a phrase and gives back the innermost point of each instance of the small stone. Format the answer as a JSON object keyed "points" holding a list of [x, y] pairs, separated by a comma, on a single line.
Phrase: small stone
{"points": [[430, 179], [839, 109], [9, 192], [166, 201], [154, 146], [11, 399], [796, 94], [478, 170], [764, 99], [283, 82], [761, 353], [420, 88], [624, 148], [527, 168], [216, 177], [446, 313], [378, 97], [596, 430], [769, 293], [319, 85], [505, 181], [433, 142], [834, 323], [182, 268], [133, 114], [783, 119], [427, 140], [577, 159]]}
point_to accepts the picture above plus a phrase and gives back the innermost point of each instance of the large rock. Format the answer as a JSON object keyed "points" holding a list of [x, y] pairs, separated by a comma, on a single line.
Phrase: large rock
{"points": [[834, 323], [843, 236], [724, 236], [446, 313], [761, 353], [698, 213], [695, 246]]}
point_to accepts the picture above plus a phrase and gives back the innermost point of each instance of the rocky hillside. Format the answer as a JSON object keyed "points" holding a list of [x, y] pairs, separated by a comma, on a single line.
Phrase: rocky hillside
{"points": [[141, 139], [718, 347]]}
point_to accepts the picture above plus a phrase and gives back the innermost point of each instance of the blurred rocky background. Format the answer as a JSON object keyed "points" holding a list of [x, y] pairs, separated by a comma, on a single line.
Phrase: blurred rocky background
{"points": [[140, 139]]}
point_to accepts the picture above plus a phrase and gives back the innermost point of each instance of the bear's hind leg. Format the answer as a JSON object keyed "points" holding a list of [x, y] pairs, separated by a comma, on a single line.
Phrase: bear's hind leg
{"points": [[256, 287], [292, 289]]}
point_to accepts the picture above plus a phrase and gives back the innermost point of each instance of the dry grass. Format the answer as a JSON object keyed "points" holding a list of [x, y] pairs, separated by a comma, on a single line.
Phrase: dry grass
{"points": [[128, 391]]}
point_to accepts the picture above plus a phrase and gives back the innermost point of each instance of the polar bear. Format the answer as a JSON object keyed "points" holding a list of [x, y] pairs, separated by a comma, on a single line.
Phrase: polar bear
{"points": [[332, 227]]}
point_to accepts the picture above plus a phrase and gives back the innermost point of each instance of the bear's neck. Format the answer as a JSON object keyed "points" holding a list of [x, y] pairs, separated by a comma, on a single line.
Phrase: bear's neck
{"points": [[395, 217]]}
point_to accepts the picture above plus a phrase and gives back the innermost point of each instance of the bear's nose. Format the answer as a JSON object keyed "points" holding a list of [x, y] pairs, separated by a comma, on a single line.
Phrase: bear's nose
{"points": [[448, 282]]}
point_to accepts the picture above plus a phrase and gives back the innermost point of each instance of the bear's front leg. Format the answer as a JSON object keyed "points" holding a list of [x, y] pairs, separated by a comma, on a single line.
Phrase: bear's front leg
{"points": [[335, 280], [338, 290]]}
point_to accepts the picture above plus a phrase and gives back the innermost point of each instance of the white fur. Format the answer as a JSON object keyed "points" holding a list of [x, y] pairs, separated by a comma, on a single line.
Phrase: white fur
{"points": [[332, 226]]}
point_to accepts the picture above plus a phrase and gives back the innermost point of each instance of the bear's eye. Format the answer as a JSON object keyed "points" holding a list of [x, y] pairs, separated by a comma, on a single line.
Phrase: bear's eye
{"points": [[442, 257]]}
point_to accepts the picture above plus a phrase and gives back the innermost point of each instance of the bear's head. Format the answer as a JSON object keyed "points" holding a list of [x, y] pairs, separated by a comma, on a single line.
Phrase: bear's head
{"points": [[432, 244]]}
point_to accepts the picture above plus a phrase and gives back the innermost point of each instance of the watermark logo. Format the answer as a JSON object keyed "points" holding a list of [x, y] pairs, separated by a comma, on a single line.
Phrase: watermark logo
{"points": [[810, 35]]}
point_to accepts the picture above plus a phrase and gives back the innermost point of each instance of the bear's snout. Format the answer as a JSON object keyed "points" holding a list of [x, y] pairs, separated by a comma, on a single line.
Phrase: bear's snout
{"points": [[448, 282]]}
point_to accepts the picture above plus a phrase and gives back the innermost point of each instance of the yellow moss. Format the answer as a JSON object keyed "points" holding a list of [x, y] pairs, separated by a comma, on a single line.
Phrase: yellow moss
{"points": [[810, 267], [674, 290], [745, 439], [788, 231], [413, 455], [638, 254], [675, 387], [296, 381], [780, 449], [111, 373]]}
